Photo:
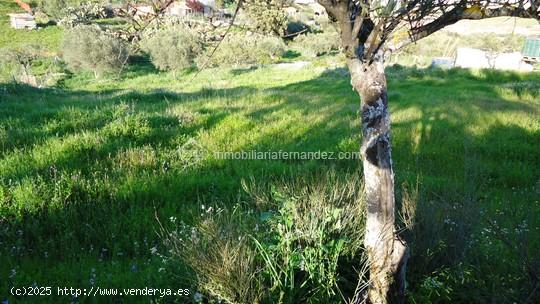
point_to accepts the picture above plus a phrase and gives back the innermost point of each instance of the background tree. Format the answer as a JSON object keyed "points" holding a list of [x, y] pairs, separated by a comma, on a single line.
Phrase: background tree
{"points": [[89, 48], [21, 58], [266, 16], [369, 29], [174, 48]]}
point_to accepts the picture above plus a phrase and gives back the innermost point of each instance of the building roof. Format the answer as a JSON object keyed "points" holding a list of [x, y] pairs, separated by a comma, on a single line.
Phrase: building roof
{"points": [[24, 16]]}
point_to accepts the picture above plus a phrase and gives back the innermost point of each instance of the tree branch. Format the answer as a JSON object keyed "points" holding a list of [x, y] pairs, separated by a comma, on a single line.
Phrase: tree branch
{"points": [[473, 12]]}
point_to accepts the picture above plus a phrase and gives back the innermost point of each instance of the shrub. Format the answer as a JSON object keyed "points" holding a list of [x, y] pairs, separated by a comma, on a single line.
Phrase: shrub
{"points": [[266, 16], [86, 9], [316, 44], [172, 49], [296, 247], [42, 18], [29, 64], [238, 50], [83, 14], [19, 61], [88, 48]]}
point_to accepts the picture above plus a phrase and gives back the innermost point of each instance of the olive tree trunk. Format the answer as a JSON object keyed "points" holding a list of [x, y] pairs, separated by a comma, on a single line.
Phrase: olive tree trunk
{"points": [[387, 253]]}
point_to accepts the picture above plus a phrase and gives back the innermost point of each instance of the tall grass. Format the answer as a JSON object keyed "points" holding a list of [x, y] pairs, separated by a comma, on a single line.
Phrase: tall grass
{"points": [[289, 249]]}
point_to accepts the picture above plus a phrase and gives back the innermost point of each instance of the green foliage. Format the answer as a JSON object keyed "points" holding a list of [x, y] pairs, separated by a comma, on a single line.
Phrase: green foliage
{"points": [[174, 48], [56, 8], [266, 16], [314, 229], [59, 9], [84, 13], [239, 50], [316, 44], [88, 48], [19, 60], [127, 124], [30, 64], [287, 252], [41, 18], [97, 185], [224, 3]]}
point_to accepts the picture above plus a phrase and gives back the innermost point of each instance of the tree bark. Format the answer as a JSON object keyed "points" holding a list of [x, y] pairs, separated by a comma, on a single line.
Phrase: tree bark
{"points": [[387, 253]]}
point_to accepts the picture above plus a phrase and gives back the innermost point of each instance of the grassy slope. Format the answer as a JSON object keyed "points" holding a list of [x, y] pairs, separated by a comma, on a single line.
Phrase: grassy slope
{"points": [[92, 163]]}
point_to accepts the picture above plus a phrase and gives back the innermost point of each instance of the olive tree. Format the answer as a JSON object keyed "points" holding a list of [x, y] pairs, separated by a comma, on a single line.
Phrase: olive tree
{"points": [[173, 48], [370, 29], [266, 16], [89, 48]]}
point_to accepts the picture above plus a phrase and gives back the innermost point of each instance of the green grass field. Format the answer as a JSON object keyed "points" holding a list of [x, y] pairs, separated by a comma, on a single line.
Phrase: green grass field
{"points": [[84, 169], [87, 167]]}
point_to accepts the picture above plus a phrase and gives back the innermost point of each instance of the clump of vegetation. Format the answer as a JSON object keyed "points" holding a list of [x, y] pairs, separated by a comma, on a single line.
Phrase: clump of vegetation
{"points": [[173, 49], [318, 44], [266, 16], [127, 124], [19, 60], [42, 18], [77, 9], [29, 64], [89, 48], [239, 50], [83, 14], [290, 249]]}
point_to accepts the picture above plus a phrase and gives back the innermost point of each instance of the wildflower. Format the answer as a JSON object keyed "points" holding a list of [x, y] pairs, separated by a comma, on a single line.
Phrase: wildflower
{"points": [[153, 250], [197, 297]]}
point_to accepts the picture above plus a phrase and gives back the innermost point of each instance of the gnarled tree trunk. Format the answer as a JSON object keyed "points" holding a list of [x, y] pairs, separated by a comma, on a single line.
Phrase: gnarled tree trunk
{"points": [[387, 253]]}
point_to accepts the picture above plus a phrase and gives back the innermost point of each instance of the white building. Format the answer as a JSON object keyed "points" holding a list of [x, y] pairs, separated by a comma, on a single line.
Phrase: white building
{"points": [[22, 21]]}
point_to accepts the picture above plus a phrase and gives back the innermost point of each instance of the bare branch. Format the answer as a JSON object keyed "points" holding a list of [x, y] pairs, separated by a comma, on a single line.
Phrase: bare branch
{"points": [[468, 10]]}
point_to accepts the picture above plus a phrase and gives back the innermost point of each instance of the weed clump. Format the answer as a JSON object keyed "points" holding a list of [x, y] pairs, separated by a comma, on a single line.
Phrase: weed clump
{"points": [[293, 248]]}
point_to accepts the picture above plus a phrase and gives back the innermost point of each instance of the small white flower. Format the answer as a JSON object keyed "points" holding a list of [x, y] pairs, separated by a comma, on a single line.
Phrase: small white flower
{"points": [[197, 297], [153, 250]]}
